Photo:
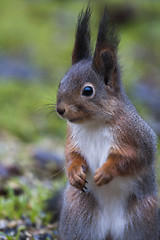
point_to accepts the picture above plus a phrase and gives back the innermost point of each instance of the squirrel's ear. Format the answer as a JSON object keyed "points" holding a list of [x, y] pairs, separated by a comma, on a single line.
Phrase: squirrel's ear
{"points": [[107, 65], [81, 48], [104, 59]]}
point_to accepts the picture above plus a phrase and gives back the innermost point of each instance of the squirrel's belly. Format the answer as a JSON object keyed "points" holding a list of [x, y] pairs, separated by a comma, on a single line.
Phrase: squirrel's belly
{"points": [[111, 202]]}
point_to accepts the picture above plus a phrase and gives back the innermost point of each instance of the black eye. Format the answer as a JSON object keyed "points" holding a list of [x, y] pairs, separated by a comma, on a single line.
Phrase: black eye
{"points": [[87, 91]]}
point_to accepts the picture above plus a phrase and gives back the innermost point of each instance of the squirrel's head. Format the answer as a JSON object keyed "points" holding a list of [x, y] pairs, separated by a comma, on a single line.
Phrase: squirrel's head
{"points": [[91, 89]]}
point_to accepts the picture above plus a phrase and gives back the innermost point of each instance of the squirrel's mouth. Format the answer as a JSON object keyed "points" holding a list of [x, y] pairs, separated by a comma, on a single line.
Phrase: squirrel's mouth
{"points": [[73, 120]]}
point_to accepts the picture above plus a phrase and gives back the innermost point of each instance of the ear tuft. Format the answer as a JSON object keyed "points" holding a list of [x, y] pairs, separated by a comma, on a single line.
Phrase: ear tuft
{"points": [[107, 39], [82, 42]]}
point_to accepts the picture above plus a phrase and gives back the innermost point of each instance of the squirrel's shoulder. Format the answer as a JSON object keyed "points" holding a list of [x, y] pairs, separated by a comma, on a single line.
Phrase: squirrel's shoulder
{"points": [[135, 127]]}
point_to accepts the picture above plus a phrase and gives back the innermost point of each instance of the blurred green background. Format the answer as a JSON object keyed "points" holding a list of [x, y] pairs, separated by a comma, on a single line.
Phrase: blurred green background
{"points": [[36, 41]]}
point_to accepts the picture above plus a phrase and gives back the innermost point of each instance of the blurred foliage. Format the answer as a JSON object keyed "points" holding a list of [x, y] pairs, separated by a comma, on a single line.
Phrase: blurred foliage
{"points": [[42, 33], [31, 202], [26, 110]]}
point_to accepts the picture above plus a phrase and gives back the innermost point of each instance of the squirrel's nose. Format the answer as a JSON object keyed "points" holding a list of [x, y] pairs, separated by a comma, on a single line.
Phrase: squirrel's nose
{"points": [[61, 111]]}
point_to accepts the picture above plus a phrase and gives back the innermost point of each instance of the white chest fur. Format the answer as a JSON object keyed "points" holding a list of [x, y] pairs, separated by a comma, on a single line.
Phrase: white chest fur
{"points": [[95, 143]]}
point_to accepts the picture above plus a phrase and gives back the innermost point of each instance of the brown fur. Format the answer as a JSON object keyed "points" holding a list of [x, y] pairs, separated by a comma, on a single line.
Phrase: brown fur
{"points": [[74, 163]]}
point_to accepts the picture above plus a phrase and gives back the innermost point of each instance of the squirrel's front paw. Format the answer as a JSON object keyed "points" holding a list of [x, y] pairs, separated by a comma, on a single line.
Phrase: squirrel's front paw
{"points": [[77, 176], [102, 176]]}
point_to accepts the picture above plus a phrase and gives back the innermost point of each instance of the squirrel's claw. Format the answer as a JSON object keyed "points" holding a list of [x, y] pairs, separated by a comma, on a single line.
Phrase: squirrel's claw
{"points": [[77, 177], [84, 188]]}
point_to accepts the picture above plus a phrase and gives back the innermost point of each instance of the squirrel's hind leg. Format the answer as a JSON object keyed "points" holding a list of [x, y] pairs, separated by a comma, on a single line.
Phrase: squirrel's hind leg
{"points": [[143, 219], [76, 215]]}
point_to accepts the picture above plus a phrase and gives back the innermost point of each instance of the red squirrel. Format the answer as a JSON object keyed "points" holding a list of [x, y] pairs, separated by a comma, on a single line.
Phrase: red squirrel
{"points": [[110, 150]]}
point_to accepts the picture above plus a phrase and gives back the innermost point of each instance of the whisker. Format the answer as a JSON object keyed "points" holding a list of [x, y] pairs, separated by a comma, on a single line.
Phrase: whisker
{"points": [[45, 108], [66, 165], [50, 107], [49, 99], [51, 112], [54, 175], [50, 104], [41, 109]]}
